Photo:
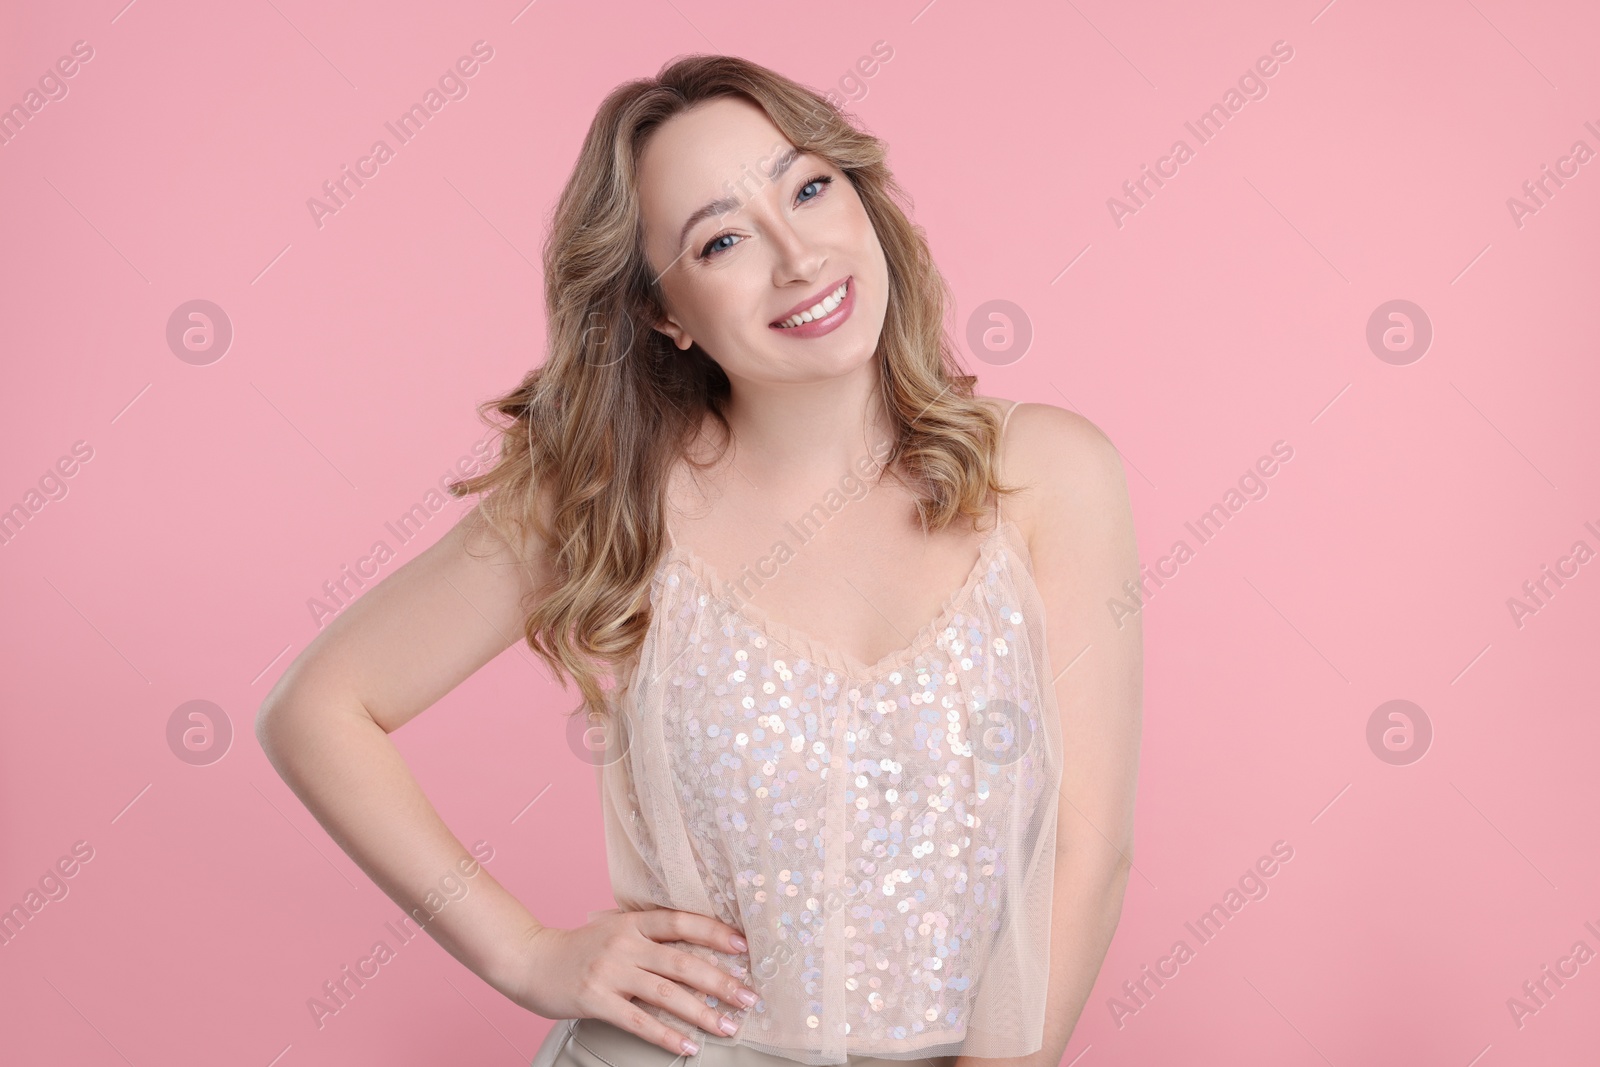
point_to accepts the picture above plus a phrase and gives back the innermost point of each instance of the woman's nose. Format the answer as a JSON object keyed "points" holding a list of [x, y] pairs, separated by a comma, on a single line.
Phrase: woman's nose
{"points": [[797, 256]]}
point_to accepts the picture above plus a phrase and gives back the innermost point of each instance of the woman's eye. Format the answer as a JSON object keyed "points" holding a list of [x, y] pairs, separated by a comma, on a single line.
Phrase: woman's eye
{"points": [[711, 249], [819, 181]]}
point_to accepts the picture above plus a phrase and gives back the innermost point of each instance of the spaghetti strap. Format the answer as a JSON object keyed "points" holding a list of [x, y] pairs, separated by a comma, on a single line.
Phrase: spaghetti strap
{"points": [[666, 511], [1015, 404], [999, 516]]}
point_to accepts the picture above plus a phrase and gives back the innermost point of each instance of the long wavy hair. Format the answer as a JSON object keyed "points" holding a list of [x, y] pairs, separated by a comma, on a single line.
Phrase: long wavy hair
{"points": [[596, 429]]}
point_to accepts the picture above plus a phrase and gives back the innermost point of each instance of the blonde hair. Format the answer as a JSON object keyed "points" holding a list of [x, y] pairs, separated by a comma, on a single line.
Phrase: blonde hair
{"points": [[596, 429]]}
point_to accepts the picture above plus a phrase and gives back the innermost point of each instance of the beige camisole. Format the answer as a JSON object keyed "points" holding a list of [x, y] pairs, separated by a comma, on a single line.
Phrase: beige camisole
{"points": [[883, 834]]}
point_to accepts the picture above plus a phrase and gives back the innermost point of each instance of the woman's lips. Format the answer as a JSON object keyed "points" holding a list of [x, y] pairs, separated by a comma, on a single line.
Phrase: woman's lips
{"points": [[829, 322]]}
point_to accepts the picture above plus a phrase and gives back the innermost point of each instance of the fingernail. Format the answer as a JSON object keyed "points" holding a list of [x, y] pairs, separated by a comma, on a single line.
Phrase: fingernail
{"points": [[690, 1048], [739, 943], [747, 998], [727, 1026]]}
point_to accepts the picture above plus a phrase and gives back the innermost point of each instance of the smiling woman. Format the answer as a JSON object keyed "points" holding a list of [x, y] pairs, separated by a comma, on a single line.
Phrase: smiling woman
{"points": [[879, 810]]}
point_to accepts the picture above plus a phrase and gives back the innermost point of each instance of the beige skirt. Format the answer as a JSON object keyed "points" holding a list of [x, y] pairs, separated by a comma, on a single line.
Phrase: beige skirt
{"points": [[596, 1043]]}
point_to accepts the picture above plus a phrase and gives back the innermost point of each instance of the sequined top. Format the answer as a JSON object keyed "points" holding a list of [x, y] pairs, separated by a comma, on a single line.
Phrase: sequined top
{"points": [[883, 834]]}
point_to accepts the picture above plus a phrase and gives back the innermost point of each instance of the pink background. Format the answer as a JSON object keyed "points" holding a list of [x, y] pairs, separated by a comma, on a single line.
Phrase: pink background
{"points": [[1229, 313]]}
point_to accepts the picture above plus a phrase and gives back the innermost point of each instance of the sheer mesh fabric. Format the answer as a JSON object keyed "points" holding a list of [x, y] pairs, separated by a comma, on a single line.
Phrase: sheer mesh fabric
{"points": [[883, 834]]}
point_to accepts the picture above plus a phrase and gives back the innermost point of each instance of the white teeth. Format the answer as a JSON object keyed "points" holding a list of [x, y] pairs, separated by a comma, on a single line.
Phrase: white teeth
{"points": [[817, 310]]}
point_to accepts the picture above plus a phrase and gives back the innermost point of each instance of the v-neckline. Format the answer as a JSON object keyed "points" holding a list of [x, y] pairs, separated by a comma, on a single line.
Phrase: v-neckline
{"points": [[820, 652]]}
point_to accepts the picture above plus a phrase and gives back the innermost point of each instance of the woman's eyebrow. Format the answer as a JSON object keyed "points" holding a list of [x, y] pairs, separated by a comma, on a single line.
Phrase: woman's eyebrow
{"points": [[723, 205]]}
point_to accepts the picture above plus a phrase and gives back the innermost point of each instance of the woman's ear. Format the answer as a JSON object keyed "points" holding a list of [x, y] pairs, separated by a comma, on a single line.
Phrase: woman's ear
{"points": [[680, 337]]}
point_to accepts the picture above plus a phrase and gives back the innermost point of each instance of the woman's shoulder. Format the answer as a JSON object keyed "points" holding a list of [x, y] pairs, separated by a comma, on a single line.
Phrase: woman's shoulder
{"points": [[1053, 454], [1041, 435]]}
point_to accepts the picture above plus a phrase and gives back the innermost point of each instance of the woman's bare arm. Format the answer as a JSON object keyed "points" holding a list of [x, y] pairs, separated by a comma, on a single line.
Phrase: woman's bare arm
{"points": [[1084, 549], [381, 662]]}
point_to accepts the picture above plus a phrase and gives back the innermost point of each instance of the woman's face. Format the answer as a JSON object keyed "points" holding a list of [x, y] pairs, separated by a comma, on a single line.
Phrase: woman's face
{"points": [[776, 242]]}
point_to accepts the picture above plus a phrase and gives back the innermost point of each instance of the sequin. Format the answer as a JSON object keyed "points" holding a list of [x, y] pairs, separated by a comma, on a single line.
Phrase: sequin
{"points": [[883, 834]]}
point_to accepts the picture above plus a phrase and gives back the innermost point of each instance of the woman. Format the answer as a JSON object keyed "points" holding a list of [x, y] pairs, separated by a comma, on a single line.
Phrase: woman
{"points": [[907, 837]]}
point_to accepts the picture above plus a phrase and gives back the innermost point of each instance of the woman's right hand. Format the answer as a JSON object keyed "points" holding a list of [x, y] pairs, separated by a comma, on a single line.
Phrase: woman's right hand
{"points": [[591, 972]]}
